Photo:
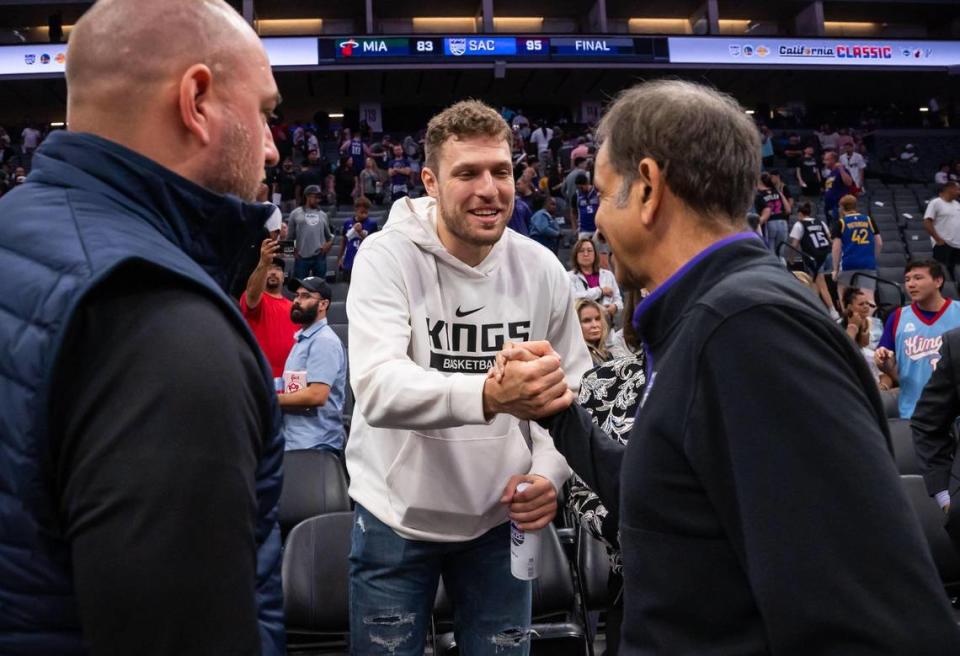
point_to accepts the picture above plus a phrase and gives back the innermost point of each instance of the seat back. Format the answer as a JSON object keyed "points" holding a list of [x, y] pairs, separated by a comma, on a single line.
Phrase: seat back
{"points": [[337, 312], [945, 555], [593, 566], [903, 450], [314, 483], [891, 400], [316, 575]]}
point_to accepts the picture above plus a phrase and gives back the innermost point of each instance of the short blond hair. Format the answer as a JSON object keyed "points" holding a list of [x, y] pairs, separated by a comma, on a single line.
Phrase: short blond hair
{"points": [[467, 118], [848, 203]]}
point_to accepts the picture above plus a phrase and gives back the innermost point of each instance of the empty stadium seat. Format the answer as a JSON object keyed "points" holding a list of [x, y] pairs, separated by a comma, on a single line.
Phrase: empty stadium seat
{"points": [[339, 290], [891, 246], [893, 274], [891, 399], [949, 289], [891, 260], [316, 573], [314, 483], [337, 312], [945, 555], [903, 449]]}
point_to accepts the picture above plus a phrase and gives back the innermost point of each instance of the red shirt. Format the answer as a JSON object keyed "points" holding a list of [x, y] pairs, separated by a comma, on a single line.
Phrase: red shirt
{"points": [[271, 325]]}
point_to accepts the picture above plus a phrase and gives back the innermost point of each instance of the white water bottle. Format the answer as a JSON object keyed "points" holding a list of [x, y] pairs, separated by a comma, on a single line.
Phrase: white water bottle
{"points": [[524, 549]]}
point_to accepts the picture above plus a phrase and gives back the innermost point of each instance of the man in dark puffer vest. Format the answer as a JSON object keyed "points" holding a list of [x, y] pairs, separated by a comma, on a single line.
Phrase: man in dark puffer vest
{"points": [[139, 448]]}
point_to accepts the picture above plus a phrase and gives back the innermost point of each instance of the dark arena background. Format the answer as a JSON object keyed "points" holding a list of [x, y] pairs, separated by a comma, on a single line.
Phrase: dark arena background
{"points": [[876, 82]]}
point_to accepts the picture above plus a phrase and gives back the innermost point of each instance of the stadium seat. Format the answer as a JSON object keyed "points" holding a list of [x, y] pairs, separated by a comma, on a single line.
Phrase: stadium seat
{"points": [[337, 312], [342, 332], [891, 273], [314, 483], [891, 260], [949, 290], [339, 290], [553, 597], [332, 271], [892, 246], [891, 399], [315, 573], [903, 450], [945, 555]]}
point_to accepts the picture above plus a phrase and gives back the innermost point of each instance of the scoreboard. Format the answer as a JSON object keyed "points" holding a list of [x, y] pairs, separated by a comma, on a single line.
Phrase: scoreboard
{"points": [[450, 49]]}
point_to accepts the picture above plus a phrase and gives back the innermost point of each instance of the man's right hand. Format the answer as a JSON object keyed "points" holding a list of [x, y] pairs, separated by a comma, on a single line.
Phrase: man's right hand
{"points": [[528, 390], [883, 358], [268, 250]]}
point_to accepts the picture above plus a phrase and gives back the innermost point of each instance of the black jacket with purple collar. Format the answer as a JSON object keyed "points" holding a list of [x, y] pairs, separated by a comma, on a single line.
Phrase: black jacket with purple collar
{"points": [[760, 508]]}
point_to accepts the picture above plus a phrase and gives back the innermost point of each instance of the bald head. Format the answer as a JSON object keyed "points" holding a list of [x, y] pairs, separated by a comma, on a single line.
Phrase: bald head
{"points": [[121, 51], [186, 83]]}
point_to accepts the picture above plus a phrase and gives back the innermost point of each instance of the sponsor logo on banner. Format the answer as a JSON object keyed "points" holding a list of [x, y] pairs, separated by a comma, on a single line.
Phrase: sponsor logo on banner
{"points": [[458, 47], [346, 47], [806, 51], [748, 51], [910, 328], [734, 49], [762, 51], [44, 58], [30, 59], [60, 58]]}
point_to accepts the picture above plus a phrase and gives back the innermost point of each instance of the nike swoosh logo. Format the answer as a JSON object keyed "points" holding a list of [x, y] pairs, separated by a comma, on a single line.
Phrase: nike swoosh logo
{"points": [[468, 312]]}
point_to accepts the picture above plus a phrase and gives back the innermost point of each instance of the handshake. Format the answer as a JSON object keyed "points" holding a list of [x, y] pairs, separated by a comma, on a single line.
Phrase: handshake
{"points": [[526, 381]]}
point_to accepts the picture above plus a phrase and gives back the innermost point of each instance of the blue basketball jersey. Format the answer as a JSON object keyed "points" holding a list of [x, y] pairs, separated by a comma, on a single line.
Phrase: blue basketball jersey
{"points": [[356, 153], [858, 237], [587, 204], [918, 343]]}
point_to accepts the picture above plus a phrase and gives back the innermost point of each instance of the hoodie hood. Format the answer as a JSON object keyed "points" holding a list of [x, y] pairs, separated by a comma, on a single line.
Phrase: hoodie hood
{"points": [[416, 219]]}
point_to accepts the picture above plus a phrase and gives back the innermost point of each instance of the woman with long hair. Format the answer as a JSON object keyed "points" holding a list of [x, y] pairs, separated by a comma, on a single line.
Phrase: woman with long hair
{"points": [[594, 329], [588, 280]]}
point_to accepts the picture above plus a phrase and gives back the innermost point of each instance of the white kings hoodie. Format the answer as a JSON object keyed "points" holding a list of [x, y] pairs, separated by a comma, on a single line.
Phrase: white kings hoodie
{"points": [[424, 328]]}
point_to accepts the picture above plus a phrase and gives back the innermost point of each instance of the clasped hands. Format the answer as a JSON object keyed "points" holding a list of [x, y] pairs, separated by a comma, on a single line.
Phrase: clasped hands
{"points": [[526, 381]]}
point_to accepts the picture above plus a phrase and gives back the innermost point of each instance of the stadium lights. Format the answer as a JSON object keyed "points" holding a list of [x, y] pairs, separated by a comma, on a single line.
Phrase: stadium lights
{"points": [[58, 124], [440, 24], [750, 112], [336, 115], [659, 26], [924, 109], [289, 26]]}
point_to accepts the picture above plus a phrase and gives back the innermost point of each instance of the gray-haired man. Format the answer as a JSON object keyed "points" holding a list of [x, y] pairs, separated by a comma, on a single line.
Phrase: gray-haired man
{"points": [[788, 511]]}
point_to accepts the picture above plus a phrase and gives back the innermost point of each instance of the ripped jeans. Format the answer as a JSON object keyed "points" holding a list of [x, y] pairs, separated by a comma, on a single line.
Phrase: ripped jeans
{"points": [[393, 584]]}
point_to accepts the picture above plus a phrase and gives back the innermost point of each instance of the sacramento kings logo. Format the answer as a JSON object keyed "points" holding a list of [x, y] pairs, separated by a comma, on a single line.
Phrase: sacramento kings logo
{"points": [[29, 59], [458, 47]]}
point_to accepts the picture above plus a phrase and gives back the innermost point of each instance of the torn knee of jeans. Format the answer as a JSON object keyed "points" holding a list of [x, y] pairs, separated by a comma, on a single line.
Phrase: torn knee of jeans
{"points": [[390, 643], [512, 637], [390, 618], [361, 525]]}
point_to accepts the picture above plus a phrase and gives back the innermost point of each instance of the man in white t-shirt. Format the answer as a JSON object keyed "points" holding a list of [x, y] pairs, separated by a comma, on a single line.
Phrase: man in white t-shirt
{"points": [[942, 221], [31, 139], [854, 163], [541, 137]]}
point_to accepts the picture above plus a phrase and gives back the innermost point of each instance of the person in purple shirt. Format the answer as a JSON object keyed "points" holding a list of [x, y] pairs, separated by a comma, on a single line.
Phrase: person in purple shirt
{"points": [[836, 185], [399, 171], [520, 219], [354, 232]]}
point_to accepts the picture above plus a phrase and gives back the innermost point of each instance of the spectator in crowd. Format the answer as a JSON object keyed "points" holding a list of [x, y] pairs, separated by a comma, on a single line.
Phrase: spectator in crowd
{"points": [[265, 308], [812, 237], [541, 137], [354, 232], [766, 146], [836, 185], [428, 303], [285, 184], [522, 123], [139, 508], [942, 220], [704, 498], [399, 173], [312, 173], [587, 201], [518, 147], [611, 393], [30, 139], [356, 151], [908, 154], [569, 187], [773, 207], [808, 174], [955, 173], [594, 327], [345, 182], [856, 245], [863, 328], [315, 373], [828, 137], [544, 227], [942, 176], [371, 181], [912, 335], [854, 164], [581, 150], [932, 422], [588, 280], [793, 151], [309, 229], [844, 139], [520, 217]]}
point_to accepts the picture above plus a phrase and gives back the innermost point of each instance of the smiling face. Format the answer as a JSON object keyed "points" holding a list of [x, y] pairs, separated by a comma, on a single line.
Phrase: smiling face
{"points": [[474, 188]]}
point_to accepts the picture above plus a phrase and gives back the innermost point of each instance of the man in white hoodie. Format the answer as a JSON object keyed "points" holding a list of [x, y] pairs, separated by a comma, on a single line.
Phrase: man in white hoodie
{"points": [[437, 449]]}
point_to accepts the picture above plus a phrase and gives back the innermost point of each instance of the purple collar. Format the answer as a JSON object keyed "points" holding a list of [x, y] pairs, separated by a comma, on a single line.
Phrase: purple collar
{"points": [[646, 303]]}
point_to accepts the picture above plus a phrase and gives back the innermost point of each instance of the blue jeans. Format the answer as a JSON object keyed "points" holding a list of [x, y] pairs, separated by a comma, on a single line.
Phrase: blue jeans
{"points": [[776, 235], [315, 265], [393, 584]]}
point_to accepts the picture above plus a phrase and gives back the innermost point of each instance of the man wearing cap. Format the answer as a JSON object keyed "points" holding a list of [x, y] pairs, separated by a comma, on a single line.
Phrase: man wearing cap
{"points": [[315, 374], [309, 228], [266, 310]]}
